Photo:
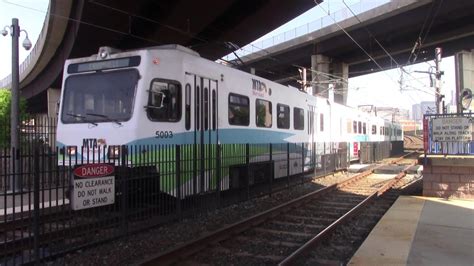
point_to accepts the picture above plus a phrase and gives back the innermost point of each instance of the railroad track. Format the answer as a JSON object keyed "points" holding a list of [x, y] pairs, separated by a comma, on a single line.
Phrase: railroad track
{"points": [[16, 234], [413, 142], [283, 234]]}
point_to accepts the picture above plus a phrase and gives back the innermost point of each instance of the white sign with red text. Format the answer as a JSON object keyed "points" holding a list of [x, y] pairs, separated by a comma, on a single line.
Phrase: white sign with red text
{"points": [[94, 186]]}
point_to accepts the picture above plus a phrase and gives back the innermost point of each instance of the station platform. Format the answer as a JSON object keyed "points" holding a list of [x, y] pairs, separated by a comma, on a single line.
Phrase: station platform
{"points": [[421, 231]]}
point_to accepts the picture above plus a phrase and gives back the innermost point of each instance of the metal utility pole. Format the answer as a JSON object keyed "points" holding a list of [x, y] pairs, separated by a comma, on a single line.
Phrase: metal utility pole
{"points": [[439, 107], [15, 183], [15, 107]]}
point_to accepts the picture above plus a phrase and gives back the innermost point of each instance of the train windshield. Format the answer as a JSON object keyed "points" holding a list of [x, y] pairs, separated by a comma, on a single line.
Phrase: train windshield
{"points": [[99, 97]]}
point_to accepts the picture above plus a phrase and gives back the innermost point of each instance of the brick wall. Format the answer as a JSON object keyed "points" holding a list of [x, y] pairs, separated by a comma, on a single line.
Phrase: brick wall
{"points": [[448, 181]]}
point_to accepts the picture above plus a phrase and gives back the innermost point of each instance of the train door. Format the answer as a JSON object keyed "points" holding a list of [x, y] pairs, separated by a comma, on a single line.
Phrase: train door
{"points": [[203, 100]]}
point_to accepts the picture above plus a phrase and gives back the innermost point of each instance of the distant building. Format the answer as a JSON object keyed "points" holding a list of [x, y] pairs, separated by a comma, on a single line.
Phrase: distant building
{"points": [[410, 125], [419, 109], [393, 113]]}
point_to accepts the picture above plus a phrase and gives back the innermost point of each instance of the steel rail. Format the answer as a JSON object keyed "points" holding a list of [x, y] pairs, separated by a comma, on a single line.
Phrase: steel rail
{"points": [[187, 249], [291, 259]]}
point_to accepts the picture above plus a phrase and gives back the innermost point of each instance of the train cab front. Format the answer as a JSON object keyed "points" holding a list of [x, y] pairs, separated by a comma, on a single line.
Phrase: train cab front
{"points": [[97, 103]]}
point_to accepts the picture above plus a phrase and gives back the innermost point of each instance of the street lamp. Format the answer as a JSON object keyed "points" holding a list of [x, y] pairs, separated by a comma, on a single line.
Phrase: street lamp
{"points": [[14, 29]]}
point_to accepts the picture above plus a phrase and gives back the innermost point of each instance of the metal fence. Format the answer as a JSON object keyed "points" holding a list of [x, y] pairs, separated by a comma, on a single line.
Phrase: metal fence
{"points": [[371, 152], [66, 203], [448, 134]]}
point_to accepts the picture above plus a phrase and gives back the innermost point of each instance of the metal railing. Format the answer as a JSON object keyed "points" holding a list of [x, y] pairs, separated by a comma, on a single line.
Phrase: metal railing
{"points": [[448, 134], [61, 208]]}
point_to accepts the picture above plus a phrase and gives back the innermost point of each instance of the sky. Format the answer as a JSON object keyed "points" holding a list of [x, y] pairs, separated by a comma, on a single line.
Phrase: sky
{"points": [[381, 89], [30, 14]]}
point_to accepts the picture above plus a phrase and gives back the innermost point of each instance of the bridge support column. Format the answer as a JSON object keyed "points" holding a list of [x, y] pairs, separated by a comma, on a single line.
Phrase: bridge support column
{"points": [[341, 87], [464, 70], [321, 67], [53, 95], [319, 81]]}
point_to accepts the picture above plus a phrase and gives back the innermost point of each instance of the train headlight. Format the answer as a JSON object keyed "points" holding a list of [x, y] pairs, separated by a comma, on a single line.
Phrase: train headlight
{"points": [[71, 150], [114, 151], [103, 53]]}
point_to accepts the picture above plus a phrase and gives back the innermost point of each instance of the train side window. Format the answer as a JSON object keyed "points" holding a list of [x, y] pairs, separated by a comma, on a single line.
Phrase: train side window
{"points": [[239, 111], [164, 101], [321, 122], [364, 128], [381, 130], [349, 126], [298, 118], [354, 127], [374, 129], [187, 108], [263, 113], [283, 116], [359, 127]]}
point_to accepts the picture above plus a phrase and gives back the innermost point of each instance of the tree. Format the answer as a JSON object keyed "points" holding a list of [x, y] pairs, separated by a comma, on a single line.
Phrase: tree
{"points": [[5, 103]]}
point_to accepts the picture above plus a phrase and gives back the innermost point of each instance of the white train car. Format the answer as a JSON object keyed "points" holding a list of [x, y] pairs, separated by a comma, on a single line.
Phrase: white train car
{"points": [[170, 95]]}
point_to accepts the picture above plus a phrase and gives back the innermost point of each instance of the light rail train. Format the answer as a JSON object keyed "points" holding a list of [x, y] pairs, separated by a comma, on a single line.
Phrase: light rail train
{"points": [[170, 95]]}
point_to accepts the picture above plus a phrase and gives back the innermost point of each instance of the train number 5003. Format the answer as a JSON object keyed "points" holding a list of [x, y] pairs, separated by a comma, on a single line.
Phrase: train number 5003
{"points": [[164, 134]]}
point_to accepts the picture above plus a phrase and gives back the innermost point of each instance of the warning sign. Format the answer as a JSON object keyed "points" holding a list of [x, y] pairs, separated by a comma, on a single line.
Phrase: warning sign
{"points": [[94, 186], [455, 129]]}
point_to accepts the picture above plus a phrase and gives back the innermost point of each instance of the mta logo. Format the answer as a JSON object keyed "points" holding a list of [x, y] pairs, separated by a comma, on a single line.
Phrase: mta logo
{"points": [[93, 143]]}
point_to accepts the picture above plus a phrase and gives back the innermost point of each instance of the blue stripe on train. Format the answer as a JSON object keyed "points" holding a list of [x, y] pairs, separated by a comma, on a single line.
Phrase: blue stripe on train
{"points": [[235, 136]]}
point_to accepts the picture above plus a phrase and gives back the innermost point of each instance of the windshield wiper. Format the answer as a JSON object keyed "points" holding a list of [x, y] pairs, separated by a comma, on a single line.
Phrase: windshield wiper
{"points": [[81, 117], [104, 116]]}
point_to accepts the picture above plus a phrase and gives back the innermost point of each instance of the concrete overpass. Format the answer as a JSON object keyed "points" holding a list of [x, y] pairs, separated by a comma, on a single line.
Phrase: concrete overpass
{"points": [[78, 28], [397, 25]]}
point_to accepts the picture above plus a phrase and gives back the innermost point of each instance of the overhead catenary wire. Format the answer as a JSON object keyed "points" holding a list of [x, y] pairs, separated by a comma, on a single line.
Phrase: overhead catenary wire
{"points": [[370, 57], [371, 35], [267, 55], [418, 39], [421, 40], [402, 69]]}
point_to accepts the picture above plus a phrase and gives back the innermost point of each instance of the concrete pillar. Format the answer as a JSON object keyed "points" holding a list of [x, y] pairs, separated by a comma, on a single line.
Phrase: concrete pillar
{"points": [[53, 100], [342, 71], [464, 70], [319, 64]]}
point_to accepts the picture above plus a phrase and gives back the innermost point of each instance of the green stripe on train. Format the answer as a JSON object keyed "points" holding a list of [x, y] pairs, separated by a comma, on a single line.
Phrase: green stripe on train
{"points": [[190, 159]]}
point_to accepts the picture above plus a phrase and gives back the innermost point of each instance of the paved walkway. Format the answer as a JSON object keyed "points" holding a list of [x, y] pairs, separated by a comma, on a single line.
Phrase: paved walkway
{"points": [[421, 231]]}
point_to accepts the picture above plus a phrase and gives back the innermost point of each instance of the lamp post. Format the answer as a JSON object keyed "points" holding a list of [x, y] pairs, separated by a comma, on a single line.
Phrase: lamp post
{"points": [[15, 183]]}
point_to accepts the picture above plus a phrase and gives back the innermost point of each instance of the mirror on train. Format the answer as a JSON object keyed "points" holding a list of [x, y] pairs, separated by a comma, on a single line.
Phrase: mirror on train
{"points": [[466, 98], [158, 100]]}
